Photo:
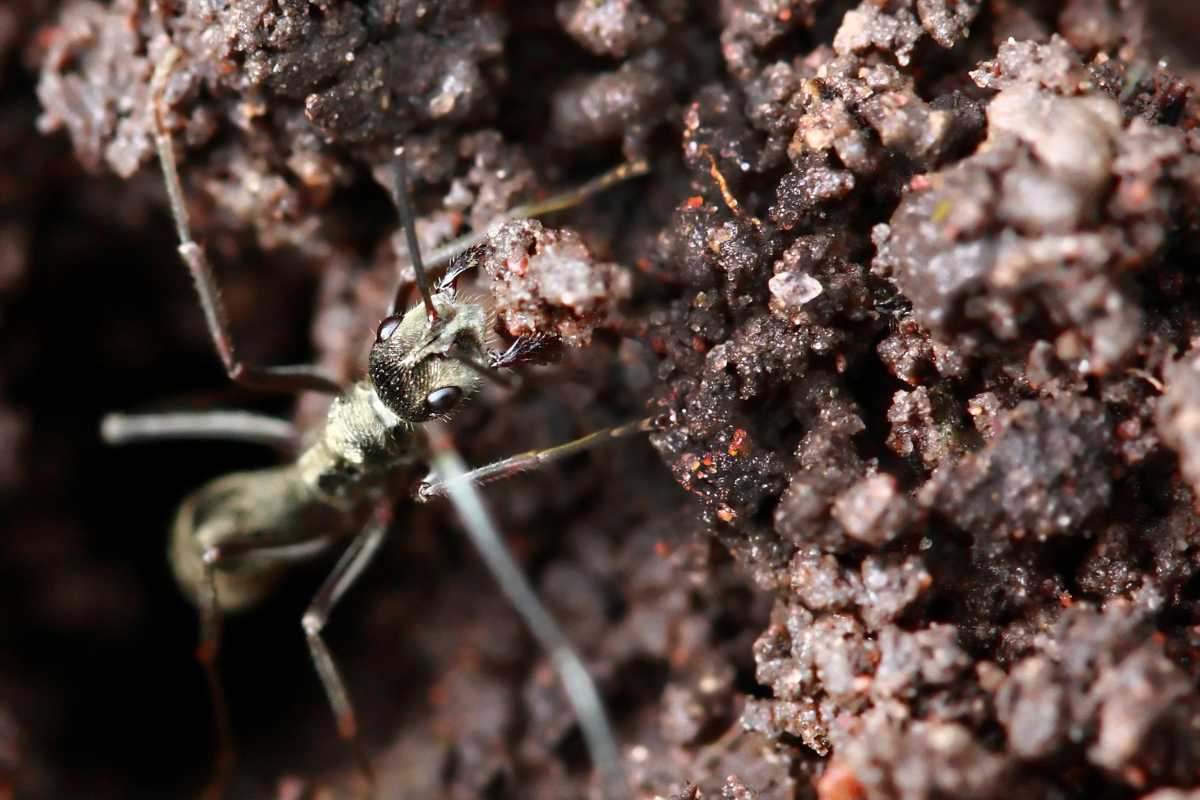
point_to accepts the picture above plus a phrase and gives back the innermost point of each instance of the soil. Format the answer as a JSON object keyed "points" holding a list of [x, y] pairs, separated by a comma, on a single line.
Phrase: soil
{"points": [[906, 286]]}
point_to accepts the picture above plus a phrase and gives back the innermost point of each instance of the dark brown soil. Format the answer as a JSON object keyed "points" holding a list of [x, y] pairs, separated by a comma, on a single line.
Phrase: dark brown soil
{"points": [[910, 283]]}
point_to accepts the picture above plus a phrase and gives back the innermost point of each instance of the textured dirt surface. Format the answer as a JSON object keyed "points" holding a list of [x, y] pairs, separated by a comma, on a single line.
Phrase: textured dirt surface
{"points": [[909, 283]]}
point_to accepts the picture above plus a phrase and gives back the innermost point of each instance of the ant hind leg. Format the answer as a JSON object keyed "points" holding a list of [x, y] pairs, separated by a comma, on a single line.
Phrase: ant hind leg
{"points": [[209, 647], [206, 654], [226, 426], [288, 378]]}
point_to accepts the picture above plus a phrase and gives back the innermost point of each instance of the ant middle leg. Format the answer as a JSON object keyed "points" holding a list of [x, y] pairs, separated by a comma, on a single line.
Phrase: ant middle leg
{"points": [[293, 378], [351, 564]]}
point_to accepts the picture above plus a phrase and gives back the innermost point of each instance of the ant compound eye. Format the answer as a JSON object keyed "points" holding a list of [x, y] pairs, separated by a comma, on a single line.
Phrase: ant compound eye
{"points": [[439, 401], [387, 327]]}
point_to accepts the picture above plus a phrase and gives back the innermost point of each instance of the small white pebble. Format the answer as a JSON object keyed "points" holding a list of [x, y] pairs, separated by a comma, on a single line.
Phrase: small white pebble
{"points": [[441, 105], [794, 289]]}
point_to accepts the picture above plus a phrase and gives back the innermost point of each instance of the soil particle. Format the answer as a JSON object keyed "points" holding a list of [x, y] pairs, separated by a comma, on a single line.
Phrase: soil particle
{"points": [[623, 105], [1093, 686], [753, 25], [545, 281], [1178, 415], [610, 27], [919, 759], [1013, 487]]}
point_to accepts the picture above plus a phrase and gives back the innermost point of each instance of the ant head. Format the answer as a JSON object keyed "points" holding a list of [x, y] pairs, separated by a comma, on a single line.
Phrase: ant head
{"points": [[423, 366], [428, 360]]}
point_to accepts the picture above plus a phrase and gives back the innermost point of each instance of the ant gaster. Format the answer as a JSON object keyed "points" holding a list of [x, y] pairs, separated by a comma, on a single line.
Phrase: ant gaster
{"points": [[233, 537]]}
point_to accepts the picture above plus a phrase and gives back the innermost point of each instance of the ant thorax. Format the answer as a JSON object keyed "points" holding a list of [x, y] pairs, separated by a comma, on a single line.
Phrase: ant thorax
{"points": [[360, 443]]}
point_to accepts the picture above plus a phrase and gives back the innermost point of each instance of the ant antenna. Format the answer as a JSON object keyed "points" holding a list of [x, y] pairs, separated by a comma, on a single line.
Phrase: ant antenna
{"points": [[577, 682], [558, 202], [400, 170]]}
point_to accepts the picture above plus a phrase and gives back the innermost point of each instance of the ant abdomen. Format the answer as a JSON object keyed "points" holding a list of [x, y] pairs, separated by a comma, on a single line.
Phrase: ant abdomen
{"points": [[258, 509]]}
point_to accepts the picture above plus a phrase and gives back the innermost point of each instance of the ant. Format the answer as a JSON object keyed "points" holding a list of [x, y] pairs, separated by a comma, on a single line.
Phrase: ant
{"points": [[232, 537]]}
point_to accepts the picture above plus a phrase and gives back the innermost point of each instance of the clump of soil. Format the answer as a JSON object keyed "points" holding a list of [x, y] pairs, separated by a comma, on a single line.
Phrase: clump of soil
{"points": [[545, 282], [949, 347], [907, 285]]}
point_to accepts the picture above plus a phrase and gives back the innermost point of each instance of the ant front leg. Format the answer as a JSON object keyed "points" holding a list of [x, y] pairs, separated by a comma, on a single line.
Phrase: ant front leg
{"points": [[531, 459], [288, 378]]}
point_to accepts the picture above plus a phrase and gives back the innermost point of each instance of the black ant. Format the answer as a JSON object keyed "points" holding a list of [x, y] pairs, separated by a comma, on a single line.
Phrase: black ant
{"points": [[233, 537]]}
